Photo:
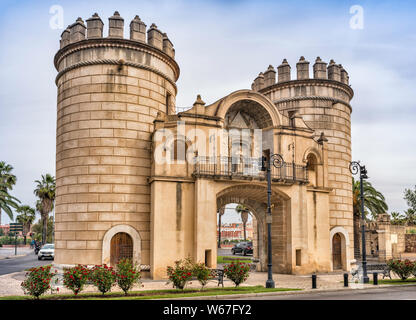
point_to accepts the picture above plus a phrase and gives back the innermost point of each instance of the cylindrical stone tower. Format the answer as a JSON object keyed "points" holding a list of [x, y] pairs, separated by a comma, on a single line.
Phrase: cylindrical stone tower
{"points": [[110, 90], [323, 101]]}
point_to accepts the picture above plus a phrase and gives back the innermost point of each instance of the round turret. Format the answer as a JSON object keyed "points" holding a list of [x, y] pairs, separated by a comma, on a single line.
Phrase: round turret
{"points": [[324, 104], [110, 89]]}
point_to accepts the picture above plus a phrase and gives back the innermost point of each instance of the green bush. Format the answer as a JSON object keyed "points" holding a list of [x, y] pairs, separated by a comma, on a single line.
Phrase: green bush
{"points": [[202, 273], [411, 231], [75, 278], [237, 272], [103, 278], [402, 268], [127, 274], [180, 274], [37, 281]]}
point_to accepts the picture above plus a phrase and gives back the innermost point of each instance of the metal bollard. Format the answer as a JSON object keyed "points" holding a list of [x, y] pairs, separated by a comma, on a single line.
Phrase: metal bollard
{"points": [[375, 278], [314, 281], [345, 279]]}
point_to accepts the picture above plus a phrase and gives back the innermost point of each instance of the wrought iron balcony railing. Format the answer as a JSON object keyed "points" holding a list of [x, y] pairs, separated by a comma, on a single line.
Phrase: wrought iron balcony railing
{"points": [[247, 168]]}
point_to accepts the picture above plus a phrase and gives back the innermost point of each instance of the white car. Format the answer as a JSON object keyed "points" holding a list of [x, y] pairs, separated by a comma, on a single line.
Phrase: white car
{"points": [[47, 251]]}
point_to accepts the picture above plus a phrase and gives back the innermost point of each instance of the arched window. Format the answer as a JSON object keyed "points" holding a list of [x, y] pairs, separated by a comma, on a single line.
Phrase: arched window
{"points": [[311, 166]]}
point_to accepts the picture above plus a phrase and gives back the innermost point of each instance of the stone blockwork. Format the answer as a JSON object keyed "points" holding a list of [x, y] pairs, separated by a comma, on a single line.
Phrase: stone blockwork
{"points": [[109, 92], [323, 101], [410, 243]]}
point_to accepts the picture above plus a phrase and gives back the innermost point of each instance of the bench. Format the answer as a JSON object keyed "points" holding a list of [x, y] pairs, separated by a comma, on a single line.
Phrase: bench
{"points": [[378, 267]]}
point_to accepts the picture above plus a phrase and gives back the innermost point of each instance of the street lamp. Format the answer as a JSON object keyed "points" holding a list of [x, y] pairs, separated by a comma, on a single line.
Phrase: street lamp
{"points": [[277, 161], [356, 167]]}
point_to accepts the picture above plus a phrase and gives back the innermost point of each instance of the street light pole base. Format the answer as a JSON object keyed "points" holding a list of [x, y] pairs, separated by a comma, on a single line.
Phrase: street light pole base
{"points": [[366, 279], [270, 283]]}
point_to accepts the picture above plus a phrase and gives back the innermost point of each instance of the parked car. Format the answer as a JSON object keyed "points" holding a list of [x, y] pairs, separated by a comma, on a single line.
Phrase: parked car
{"points": [[47, 251], [243, 247]]}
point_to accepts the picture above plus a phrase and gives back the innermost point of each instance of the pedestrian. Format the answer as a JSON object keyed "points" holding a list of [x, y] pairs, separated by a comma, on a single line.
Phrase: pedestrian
{"points": [[32, 244]]}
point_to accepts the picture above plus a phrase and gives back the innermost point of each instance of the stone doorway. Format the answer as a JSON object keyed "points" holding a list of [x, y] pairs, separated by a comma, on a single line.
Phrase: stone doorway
{"points": [[337, 252], [121, 248]]}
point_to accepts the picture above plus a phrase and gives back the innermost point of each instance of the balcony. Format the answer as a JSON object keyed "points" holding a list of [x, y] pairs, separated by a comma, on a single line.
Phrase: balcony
{"points": [[247, 169]]}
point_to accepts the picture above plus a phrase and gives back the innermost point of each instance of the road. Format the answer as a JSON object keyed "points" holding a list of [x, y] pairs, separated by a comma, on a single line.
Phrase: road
{"points": [[404, 292], [21, 263]]}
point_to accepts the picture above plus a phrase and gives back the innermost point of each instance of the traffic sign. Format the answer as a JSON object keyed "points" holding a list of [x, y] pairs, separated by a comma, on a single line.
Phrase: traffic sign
{"points": [[15, 227]]}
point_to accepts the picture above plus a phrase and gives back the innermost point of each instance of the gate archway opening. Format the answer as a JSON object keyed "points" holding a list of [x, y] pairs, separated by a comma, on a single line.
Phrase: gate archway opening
{"points": [[254, 198]]}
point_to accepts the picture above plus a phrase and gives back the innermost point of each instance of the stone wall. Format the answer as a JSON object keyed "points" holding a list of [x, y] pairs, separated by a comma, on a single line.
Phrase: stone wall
{"points": [[410, 243]]}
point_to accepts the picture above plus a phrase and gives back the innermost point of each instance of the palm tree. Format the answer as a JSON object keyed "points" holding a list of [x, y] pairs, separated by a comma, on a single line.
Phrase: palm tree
{"points": [[374, 203], [243, 211], [7, 181], [26, 217], [397, 218], [45, 191], [410, 217]]}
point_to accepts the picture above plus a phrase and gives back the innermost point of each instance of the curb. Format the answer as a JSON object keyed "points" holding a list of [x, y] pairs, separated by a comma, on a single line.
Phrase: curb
{"points": [[280, 293]]}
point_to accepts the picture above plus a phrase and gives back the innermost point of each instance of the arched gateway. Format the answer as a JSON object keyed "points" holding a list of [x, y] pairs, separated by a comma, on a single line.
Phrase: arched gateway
{"points": [[123, 190]]}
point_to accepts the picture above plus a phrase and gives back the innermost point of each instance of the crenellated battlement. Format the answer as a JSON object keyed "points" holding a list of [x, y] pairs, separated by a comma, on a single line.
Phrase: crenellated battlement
{"points": [[94, 29], [321, 70]]}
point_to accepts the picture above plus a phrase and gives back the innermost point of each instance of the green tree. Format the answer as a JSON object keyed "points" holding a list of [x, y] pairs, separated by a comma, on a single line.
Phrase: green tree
{"points": [[26, 217], [410, 214], [244, 212], [397, 218], [374, 203], [45, 191], [37, 230], [7, 181]]}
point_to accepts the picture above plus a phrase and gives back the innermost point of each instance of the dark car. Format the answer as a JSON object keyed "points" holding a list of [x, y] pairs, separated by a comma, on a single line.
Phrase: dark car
{"points": [[243, 247]]}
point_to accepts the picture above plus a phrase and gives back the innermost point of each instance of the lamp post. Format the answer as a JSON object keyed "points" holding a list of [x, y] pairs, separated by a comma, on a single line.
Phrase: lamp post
{"points": [[277, 161], [356, 167]]}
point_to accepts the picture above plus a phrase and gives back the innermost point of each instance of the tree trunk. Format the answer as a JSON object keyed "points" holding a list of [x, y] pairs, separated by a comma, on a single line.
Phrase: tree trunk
{"points": [[45, 228]]}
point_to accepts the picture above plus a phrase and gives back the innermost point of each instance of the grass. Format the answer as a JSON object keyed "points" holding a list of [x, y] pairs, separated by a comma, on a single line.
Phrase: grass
{"points": [[155, 294], [395, 281], [221, 259]]}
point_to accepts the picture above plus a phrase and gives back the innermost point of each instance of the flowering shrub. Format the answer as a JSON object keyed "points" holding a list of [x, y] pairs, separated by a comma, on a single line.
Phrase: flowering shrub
{"points": [[402, 268], [202, 273], [37, 281], [180, 274], [75, 278], [102, 277], [237, 272], [127, 274]]}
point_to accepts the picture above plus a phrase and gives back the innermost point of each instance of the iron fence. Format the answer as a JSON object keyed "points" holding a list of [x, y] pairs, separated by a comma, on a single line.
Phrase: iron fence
{"points": [[247, 168]]}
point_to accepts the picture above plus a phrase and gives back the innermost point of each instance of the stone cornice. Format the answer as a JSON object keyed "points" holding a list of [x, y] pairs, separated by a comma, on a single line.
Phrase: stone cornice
{"points": [[323, 98], [312, 82], [116, 43]]}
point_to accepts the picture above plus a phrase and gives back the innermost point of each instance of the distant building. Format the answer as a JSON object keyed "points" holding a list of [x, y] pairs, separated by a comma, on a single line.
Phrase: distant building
{"points": [[235, 231], [5, 228]]}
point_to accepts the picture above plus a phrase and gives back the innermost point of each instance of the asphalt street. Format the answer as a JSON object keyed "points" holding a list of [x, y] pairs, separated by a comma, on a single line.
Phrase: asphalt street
{"points": [[21, 263], [403, 292]]}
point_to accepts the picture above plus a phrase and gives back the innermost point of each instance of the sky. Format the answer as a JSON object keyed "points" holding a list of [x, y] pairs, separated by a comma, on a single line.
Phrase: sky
{"points": [[221, 46]]}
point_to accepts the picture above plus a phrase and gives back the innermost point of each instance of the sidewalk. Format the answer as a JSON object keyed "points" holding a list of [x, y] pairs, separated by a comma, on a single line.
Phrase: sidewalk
{"points": [[8, 252], [10, 283]]}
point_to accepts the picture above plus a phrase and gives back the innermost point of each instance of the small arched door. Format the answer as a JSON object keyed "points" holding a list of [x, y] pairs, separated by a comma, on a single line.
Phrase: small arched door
{"points": [[336, 252], [121, 248]]}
